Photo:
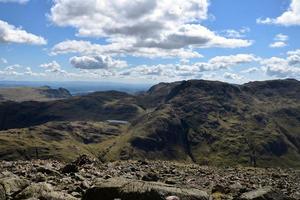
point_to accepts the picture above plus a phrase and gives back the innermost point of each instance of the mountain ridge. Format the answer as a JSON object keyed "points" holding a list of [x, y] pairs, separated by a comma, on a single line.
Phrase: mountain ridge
{"points": [[207, 122]]}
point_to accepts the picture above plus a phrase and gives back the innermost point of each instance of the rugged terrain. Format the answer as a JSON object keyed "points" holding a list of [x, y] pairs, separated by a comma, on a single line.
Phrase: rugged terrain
{"points": [[21, 94], [195, 121], [147, 180]]}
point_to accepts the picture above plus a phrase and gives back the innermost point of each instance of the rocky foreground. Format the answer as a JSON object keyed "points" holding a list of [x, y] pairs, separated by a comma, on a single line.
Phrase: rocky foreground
{"points": [[142, 180]]}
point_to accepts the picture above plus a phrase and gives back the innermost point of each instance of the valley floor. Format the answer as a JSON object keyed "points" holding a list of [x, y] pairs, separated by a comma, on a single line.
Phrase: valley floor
{"points": [[88, 179]]}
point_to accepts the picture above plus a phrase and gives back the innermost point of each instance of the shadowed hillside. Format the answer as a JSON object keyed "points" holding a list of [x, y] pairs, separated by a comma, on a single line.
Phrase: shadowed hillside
{"points": [[206, 122]]}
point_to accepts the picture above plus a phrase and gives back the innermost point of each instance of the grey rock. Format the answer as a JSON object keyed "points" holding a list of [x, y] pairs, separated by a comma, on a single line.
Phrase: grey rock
{"points": [[266, 193], [43, 191], [2, 193], [35, 190], [150, 177], [117, 188], [47, 170], [12, 185]]}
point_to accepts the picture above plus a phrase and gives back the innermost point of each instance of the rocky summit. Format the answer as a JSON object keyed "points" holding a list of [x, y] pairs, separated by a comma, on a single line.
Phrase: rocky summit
{"points": [[88, 179]]}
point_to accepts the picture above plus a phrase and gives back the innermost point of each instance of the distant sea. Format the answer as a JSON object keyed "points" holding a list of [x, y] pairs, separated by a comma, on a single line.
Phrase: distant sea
{"points": [[80, 88]]}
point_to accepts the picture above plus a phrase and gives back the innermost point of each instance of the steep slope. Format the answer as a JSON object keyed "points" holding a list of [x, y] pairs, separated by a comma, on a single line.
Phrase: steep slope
{"points": [[94, 107], [207, 122], [20, 94], [219, 123], [57, 140]]}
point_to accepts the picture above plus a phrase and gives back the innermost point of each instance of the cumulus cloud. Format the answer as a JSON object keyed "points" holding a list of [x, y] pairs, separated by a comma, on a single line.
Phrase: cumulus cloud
{"points": [[96, 62], [189, 70], [53, 67], [223, 62], [231, 33], [278, 44], [288, 67], [251, 70], [281, 37], [14, 1], [167, 28], [291, 17], [293, 58], [120, 48], [12, 34], [17, 70], [279, 41], [232, 76], [32, 73]]}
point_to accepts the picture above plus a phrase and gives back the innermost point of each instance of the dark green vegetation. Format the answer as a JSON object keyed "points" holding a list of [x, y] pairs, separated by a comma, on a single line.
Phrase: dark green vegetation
{"points": [[198, 121]]}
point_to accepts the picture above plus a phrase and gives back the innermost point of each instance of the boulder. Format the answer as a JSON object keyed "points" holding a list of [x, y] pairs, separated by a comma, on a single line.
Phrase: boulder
{"points": [[83, 160], [47, 170], [35, 190], [43, 191], [70, 168], [2, 193], [150, 177], [117, 188], [265, 193], [11, 185]]}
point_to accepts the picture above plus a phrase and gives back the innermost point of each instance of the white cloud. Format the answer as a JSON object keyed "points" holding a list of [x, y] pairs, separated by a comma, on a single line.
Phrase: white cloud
{"points": [[231, 33], [31, 73], [232, 76], [288, 67], [281, 37], [189, 70], [279, 41], [223, 62], [151, 28], [294, 58], [3, 61], [251, 70], [53, 67], [278, 44], [18, 71], [291, 17], [12, 34], [120, 48], [96, 62], [14, 1]]}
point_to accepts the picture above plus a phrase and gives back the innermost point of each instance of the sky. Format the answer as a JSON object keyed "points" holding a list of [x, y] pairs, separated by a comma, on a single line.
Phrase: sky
{"points": [[149, 41]]}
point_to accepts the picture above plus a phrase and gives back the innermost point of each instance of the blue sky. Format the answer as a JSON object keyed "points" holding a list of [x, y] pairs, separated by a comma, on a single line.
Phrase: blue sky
{"points": [[149, 41]]}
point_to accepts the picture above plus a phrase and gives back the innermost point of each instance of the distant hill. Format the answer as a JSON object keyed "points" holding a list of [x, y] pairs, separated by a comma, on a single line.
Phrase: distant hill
{"points": [[20, 94], [207, 122]]}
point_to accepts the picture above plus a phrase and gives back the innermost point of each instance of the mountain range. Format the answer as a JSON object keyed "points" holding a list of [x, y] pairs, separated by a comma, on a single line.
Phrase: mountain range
{"points": [[205, 122]]}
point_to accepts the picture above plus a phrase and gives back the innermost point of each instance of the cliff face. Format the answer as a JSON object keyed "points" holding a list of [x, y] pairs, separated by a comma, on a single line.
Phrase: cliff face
{"points": [[206, 122]]}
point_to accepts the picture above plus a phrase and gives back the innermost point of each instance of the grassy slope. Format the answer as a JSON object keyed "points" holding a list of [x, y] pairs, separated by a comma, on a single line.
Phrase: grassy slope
{"points": [[58, 140], [206, 122], [20, 94]]}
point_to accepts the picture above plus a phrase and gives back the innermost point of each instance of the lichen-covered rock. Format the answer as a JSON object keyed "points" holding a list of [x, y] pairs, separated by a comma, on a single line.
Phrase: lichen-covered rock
{"points": [[35, 190], [266, 193], [11, 185], [125, 189], [2, 193], [43, 191]]}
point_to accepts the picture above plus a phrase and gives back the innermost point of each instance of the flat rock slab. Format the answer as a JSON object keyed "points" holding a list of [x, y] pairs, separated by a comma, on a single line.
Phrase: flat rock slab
{"points": [[266, 193], [125, 189]]}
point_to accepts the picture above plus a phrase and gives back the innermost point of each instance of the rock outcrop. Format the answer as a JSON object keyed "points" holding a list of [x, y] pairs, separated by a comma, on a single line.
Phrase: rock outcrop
{"points": [[45, 180], [127, 189]]}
